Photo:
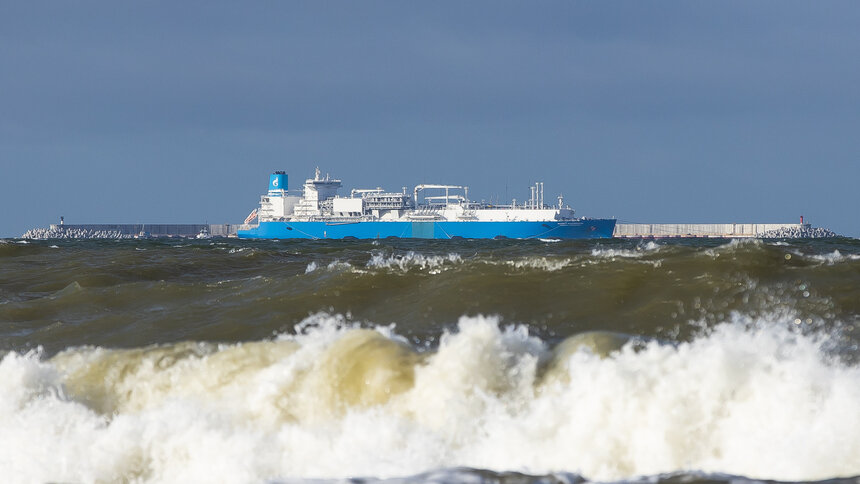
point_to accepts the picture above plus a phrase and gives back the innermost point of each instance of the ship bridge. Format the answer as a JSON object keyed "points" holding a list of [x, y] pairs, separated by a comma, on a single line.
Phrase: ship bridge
{"points": [[315, 191]]}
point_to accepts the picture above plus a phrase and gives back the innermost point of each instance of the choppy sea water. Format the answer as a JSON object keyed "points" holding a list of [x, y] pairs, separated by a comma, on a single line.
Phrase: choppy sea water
{"points": [[438, 361]]}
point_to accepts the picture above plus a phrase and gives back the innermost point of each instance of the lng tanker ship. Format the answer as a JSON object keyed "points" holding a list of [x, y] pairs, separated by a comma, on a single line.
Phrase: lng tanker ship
{"points": [[429, 212]]}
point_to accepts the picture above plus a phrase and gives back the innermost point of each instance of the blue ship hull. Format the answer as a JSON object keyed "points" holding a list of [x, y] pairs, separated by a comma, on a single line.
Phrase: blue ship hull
{"points": [[573, 229]]}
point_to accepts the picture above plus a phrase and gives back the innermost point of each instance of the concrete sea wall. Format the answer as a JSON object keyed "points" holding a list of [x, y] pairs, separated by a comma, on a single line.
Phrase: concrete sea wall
{"points": [[120, 231], [700, 230]]}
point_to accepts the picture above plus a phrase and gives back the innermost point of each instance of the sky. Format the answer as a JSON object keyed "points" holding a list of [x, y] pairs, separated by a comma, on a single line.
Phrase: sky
{"points": [[683, 111]]}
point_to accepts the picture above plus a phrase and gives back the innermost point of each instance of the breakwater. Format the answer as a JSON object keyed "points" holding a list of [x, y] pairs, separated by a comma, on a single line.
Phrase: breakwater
{"points": [[732, 230], [128, 231]]}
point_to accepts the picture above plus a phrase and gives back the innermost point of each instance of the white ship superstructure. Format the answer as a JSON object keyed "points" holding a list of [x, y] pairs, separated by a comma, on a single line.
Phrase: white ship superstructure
{"points": [[430, 210], [319, 201]]}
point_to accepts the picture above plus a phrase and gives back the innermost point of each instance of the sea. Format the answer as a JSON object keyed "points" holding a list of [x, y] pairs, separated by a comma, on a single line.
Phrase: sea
{"points": [[497, 361]]}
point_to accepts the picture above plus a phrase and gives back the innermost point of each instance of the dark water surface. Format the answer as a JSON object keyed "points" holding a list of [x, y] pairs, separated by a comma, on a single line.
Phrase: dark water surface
{"points": [[170, 360]]}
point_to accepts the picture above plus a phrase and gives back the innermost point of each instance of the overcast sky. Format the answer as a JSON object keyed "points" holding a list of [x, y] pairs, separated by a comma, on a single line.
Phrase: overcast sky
{"points": [[646, 111]]}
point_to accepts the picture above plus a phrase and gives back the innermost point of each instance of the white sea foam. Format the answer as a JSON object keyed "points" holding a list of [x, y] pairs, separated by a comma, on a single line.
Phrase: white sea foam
{"points": [[335, 265], [751, 398], [541, 263], [834, 257], [413, 260], [639, 251], [742, 242], [608, 254], [734, 244]]}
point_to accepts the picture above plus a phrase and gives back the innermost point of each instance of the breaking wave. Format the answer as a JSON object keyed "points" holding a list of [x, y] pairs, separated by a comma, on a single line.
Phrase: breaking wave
{"points": [[638, 251], [435, 264], [540, 263], [834, 257], [335, 398], [413, 260]]}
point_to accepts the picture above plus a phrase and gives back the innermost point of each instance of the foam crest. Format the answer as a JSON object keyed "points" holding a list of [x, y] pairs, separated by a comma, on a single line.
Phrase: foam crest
{"points": [[639, 251], [236, 250], [413, 260], [743, 242], [481, 370], [540, 263], [738, 401], [835, 257], [23, 379], [752, 397], [735, 245], [110, 381], [335, 265]]}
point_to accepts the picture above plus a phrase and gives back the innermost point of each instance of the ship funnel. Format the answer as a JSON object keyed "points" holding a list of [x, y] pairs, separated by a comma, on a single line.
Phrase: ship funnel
{"points": [[277, 181]]}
